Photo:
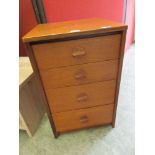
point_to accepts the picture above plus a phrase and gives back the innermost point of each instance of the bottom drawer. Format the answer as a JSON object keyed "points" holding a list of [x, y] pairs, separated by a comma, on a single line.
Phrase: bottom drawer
{"points": [[76, 119]]}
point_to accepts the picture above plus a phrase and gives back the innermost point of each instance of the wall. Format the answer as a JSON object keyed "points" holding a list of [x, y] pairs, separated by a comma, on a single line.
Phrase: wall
{"points": [[27, 21], [61, 10], [130, 21], [58, 10]]}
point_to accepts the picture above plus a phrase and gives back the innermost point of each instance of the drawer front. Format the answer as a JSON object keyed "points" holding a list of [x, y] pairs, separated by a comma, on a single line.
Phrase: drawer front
{"points": [[79, 74], [76, 119], [51, 55], [83, 96]]}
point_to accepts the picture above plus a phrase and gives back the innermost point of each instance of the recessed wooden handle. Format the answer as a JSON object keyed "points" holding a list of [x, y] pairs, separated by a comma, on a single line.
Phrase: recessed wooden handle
{"points": [[84, 119], [82, 97], [80, 74], [78, 53]]}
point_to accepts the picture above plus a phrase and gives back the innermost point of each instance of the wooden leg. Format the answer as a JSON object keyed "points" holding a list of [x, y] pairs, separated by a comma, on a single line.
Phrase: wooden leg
{"points": [[113, 124], [56, 135]]}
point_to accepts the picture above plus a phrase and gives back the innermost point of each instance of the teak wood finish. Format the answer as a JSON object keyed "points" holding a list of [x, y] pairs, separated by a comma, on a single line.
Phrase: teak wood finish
{"points": [[66, 121], [78, 64], [77, 51], [82, 96], [79, 74]]}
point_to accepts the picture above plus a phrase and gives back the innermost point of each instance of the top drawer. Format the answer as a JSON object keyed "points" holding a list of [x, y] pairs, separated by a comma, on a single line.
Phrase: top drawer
{"points": [[56, 54]]}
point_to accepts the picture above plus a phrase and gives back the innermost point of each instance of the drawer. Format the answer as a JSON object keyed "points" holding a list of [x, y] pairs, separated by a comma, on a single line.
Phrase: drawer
{"points": [[56, 54], [76, 119], [83, 96], [79, 74]]}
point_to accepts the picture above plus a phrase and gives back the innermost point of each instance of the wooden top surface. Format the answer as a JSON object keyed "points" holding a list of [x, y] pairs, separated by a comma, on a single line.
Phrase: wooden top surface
{"points": [[71, 28], [25, 69]]}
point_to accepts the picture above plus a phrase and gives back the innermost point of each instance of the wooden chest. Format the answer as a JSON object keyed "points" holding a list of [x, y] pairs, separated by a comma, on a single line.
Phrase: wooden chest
{"points": [[79, 66]]}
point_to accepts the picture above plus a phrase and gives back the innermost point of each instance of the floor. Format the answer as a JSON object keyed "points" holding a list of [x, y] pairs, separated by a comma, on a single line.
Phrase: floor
{"points": [[98, 141]]}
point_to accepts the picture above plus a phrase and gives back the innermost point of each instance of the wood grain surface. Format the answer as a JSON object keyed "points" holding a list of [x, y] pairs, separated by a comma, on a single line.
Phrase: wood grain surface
{"points": [[82, 118], [72, 28], [80, 74], [51, 55], [82, 96], [31, 105]]}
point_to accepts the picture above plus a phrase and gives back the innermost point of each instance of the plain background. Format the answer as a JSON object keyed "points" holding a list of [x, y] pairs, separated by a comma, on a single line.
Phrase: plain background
{"points": [[145, 77]]}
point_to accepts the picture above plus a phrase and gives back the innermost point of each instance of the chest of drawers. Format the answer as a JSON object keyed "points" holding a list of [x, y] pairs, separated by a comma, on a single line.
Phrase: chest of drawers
{"points": [[78, 64]]}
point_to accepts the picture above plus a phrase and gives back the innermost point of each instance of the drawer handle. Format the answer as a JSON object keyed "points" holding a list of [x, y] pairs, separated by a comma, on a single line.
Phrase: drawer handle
{"points": [[80, 74], [78, 53], [82, 97], [84, 119]]}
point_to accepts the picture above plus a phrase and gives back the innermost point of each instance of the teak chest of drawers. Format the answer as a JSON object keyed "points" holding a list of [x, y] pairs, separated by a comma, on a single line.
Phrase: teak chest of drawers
{"points": [[79, 66]]}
